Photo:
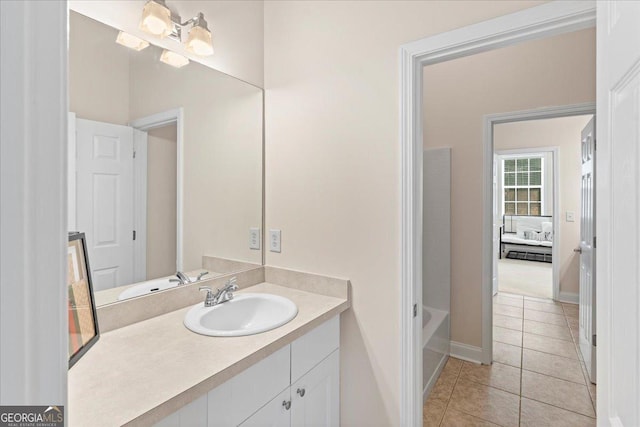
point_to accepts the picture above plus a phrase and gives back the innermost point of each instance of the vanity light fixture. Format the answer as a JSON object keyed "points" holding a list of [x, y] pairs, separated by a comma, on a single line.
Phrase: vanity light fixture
{"points": [[173, 59], [158, 21], [199, 40], [132, 42]]}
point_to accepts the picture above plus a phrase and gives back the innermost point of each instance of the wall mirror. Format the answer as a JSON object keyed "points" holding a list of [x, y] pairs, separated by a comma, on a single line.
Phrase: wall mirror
{"points": [[165, 165]]}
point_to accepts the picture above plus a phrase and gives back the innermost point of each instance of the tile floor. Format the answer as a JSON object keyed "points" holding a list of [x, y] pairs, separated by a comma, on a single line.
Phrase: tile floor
{"points": [[537, 379]]}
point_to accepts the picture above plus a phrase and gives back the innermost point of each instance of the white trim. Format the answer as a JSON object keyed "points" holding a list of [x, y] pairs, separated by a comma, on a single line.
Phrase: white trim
{"points": [[467, 352], [543, 21], [140, 205], [568, 297], [164, 118], [34, 352]]}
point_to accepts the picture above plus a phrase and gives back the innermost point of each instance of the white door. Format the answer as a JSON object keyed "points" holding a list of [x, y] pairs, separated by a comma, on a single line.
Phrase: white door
{"points": [[315, 398], [104, 200], [618, 212], [588, 252]]}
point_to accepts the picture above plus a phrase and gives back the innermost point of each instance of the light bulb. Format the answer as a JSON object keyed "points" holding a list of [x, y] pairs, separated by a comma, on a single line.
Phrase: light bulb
{"points": [[156, 19], [199, 41], [173, 59], [132, 42]]}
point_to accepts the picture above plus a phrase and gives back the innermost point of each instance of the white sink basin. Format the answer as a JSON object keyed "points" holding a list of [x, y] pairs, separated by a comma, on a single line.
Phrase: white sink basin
{"points": [[245, 314], [150, 287]]}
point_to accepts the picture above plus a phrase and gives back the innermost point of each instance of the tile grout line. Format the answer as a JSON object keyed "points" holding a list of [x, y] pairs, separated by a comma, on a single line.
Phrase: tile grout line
{"points": [[446, 408]]}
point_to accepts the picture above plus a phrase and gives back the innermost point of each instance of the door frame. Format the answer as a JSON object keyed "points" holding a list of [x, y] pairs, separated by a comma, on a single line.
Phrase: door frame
{"points": [[555, 266], [535, 23], [487, 179], [147, 123]]}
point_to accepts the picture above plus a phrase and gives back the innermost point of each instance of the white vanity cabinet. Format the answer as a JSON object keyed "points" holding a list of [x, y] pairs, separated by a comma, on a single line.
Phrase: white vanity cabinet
{"points": [[298, 385]]}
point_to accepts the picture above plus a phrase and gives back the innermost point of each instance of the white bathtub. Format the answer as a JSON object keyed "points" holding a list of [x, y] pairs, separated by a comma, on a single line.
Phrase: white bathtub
{"points": [[435, 346]]}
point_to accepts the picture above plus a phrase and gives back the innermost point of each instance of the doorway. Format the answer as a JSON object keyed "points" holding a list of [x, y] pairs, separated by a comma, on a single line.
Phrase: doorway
{"points": [[525, 186], [537, 23]]}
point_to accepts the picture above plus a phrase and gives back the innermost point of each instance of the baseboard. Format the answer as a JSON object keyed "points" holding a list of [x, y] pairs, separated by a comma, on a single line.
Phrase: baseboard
{"points": [[569, 297], [466, 352]]}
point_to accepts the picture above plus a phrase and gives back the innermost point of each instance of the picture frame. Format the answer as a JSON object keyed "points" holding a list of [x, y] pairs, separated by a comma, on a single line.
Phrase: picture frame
{"points": [[83, 318]]}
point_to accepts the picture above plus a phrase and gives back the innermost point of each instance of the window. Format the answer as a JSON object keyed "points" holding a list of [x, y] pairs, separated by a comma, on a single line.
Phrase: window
{"points": [[522, 186]]}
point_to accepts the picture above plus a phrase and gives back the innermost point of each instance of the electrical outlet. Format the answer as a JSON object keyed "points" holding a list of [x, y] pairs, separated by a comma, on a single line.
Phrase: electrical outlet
{"points": [[254, 238], [274, 240], [571, 216]]}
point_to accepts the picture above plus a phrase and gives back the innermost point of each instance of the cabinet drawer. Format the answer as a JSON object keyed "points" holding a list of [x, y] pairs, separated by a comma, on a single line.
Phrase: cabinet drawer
{"points": [[308, 350], [234, 401]]}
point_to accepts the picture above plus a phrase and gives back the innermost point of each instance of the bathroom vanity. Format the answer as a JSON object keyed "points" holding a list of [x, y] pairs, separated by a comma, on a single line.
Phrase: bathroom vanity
{"points": [[157, 372]]}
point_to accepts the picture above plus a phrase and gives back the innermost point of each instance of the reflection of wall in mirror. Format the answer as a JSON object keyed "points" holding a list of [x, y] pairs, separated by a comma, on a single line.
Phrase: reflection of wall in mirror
{"points": [[222, 132], [161, 201]]}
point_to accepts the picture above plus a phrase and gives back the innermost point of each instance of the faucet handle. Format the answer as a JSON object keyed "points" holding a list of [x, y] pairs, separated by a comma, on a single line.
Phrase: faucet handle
{"points": [[232, 284], [210, 298], [201, 275]]}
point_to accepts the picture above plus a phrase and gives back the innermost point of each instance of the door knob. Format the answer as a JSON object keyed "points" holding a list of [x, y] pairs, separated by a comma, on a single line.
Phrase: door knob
{"points": [[578, 250], [286, 404], [300, 391]]}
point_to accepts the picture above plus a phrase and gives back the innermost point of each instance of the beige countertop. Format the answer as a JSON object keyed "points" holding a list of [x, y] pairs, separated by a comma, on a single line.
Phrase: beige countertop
{"points": [[139, 374]]}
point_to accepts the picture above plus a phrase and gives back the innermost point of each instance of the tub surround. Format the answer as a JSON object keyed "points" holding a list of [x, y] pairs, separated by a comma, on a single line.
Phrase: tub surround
{"points": [[141, 373]]}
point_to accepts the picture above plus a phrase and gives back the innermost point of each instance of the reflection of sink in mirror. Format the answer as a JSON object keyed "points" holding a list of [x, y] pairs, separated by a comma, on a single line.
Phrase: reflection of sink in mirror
{"points": [[152, 286], [158, 151], [245, 314]]}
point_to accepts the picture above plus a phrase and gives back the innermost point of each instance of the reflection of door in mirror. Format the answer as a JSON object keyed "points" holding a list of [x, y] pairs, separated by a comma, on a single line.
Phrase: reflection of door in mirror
{"points": [[126, 202]]}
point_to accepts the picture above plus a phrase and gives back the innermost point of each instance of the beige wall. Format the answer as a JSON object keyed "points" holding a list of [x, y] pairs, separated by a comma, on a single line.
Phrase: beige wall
{"points": [[161, 201], [563, 133], [236, 28], [98, 72], [222, 152], [333, 166], [457, 94]]}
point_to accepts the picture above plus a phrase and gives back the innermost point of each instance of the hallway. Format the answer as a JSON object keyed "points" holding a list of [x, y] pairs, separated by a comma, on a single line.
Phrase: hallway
{"points": [[537, 378]]}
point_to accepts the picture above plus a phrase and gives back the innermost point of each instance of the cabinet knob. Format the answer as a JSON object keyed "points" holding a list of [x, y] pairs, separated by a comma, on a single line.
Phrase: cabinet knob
{"points": [[300, 391], [286, 404]]}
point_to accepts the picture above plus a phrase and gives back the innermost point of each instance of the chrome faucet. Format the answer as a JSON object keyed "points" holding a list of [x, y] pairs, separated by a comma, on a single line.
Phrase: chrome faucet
{"points": [[182, 278], [221, 295], [201, 275]]}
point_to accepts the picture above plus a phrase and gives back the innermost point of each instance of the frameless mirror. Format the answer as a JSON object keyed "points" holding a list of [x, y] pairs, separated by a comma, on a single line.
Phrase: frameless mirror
{"points": [[165, 166]]}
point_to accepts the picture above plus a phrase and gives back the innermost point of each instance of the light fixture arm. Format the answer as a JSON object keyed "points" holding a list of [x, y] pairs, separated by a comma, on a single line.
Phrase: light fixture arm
{"points": [[179, 27]]}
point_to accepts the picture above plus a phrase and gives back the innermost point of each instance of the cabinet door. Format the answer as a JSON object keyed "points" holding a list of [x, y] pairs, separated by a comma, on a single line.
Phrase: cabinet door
{"points": [[315, 398], [276, 413]]}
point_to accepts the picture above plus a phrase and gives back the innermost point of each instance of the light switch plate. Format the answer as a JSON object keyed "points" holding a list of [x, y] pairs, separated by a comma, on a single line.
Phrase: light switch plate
{"points": [[254, 238], [571, 216], [274, 240]]}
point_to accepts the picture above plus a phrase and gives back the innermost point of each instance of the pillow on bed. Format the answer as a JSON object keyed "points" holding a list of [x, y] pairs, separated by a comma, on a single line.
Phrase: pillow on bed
{"points": [[547, 227], [527, 224], [548, 236], [533, 235]]}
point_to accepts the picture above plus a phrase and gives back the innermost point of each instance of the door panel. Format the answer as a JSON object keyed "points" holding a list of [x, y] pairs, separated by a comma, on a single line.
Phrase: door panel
{"points": [[587, 251], [104, 200], [618, 221], [315, 398]]}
